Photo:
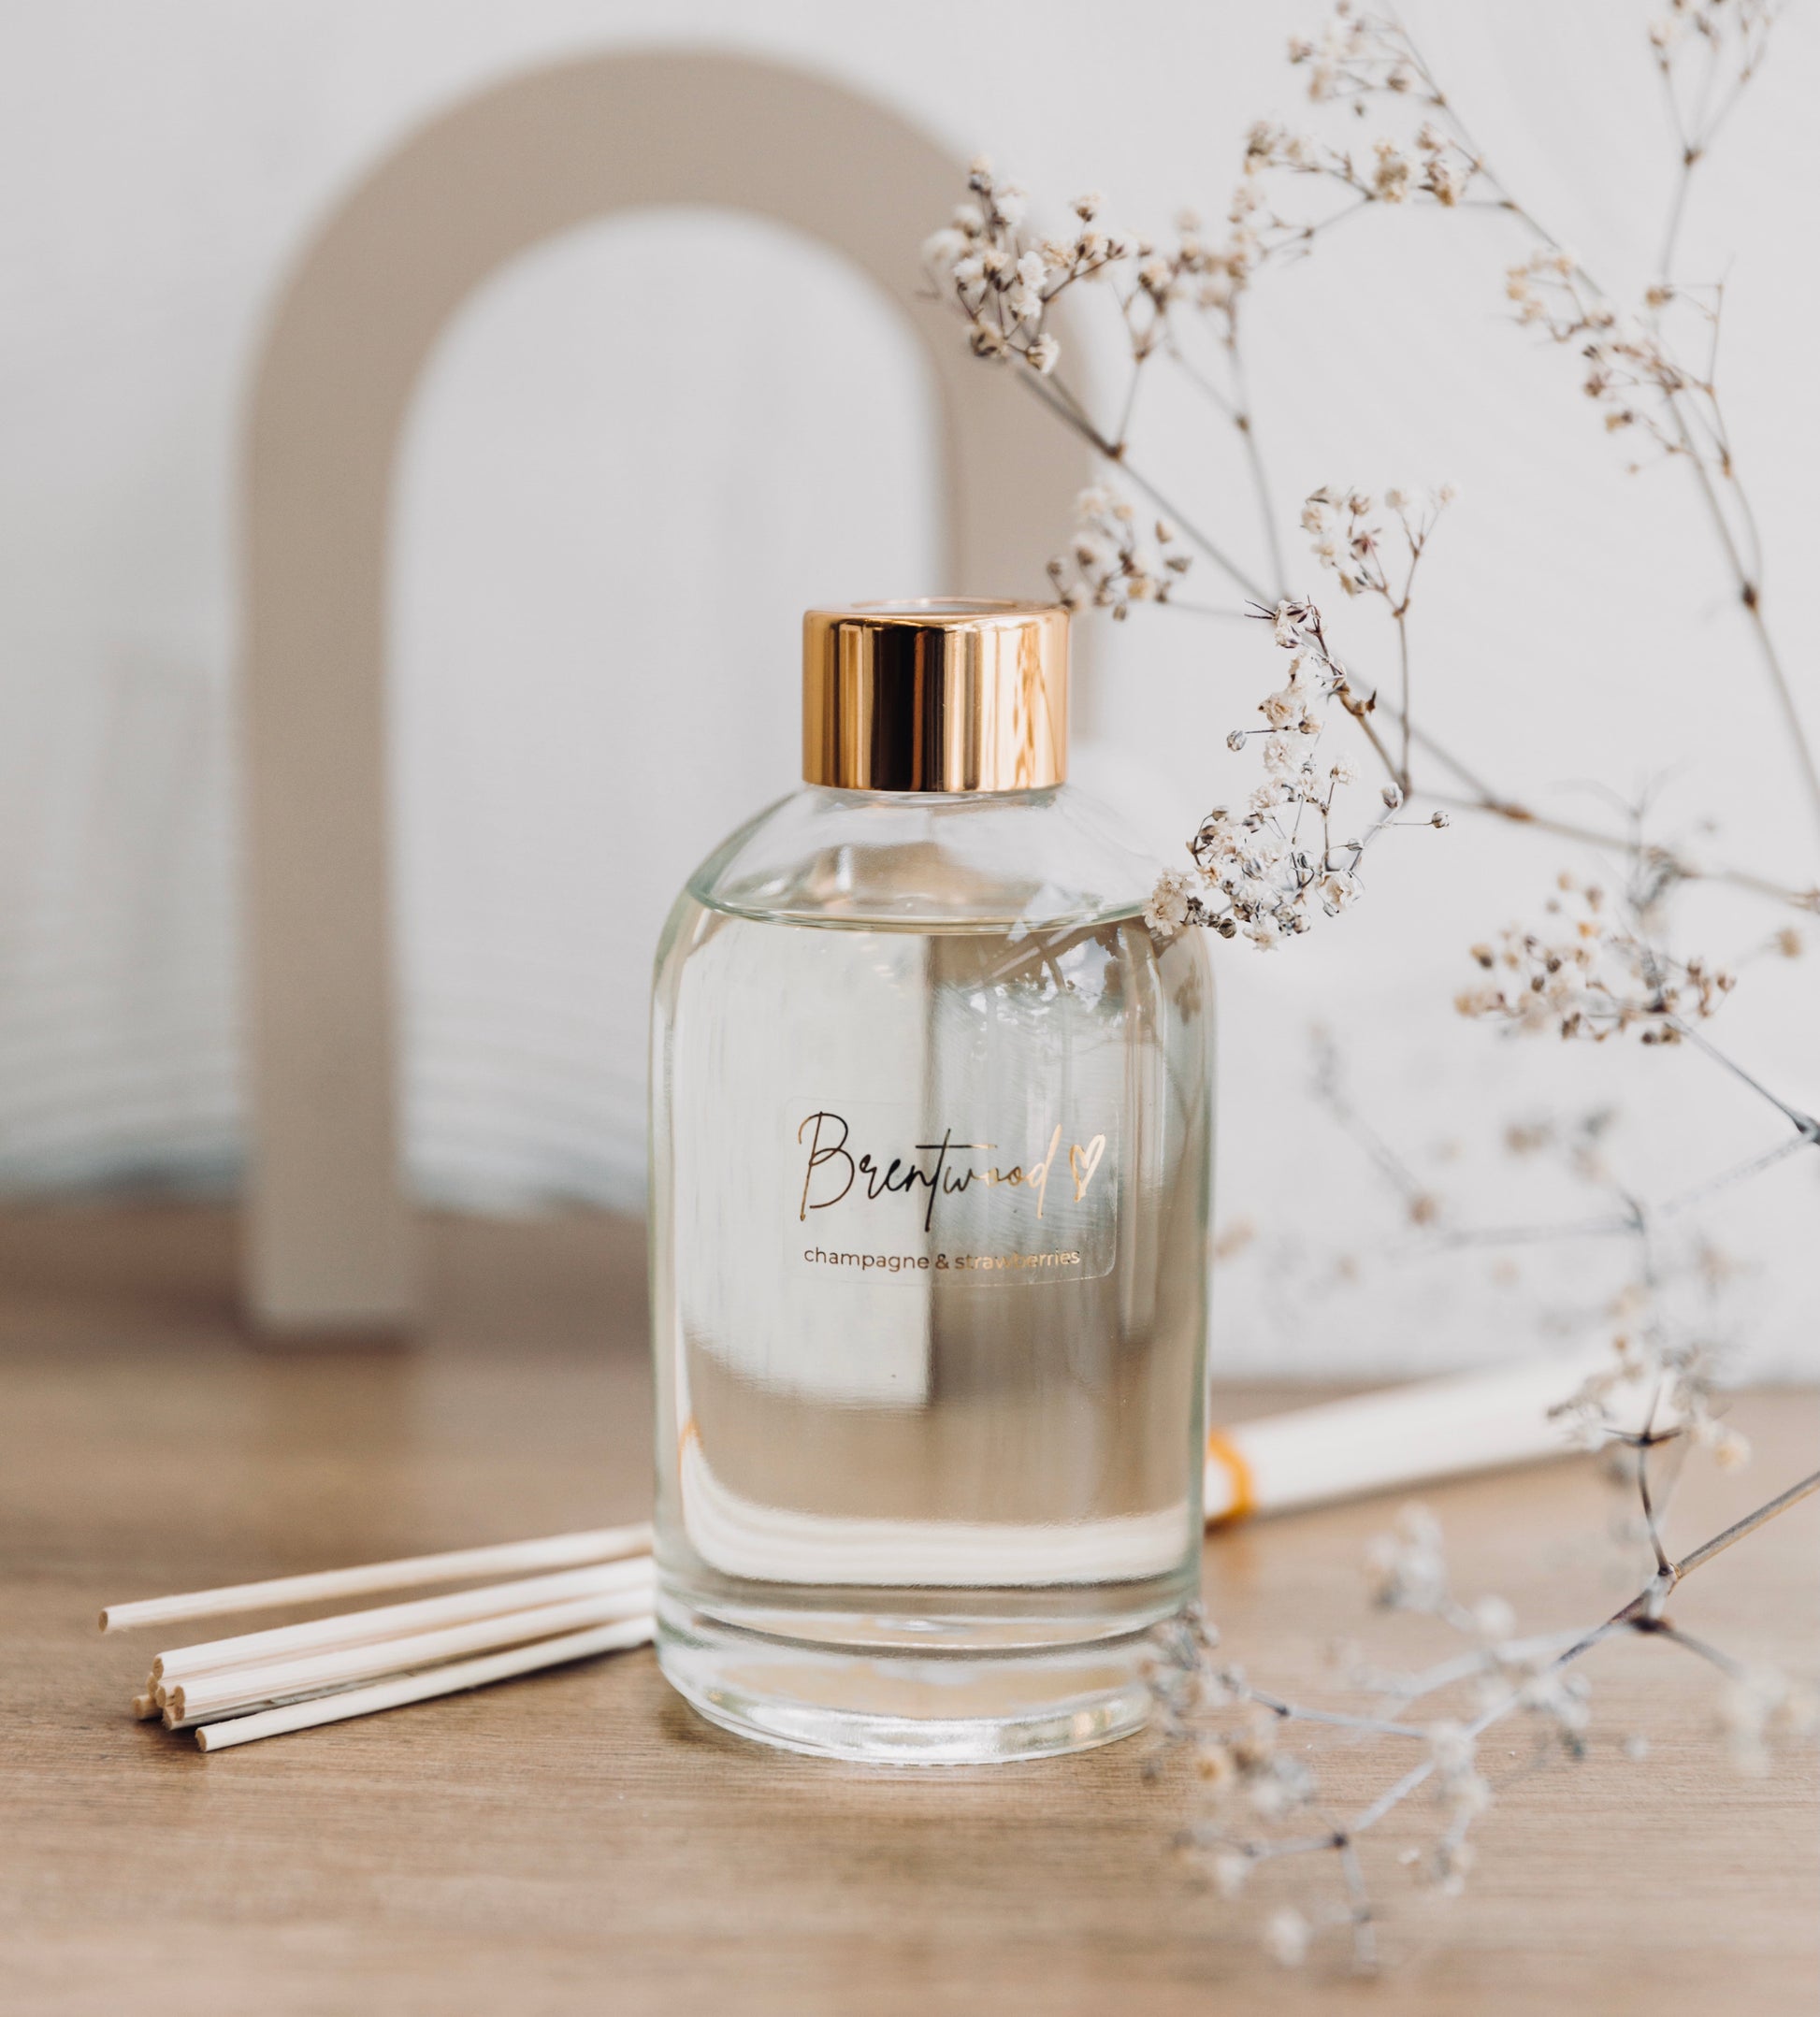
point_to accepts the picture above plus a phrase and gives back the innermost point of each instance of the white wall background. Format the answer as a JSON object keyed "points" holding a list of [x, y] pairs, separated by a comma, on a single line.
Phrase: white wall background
{"points": [[634, 463]]}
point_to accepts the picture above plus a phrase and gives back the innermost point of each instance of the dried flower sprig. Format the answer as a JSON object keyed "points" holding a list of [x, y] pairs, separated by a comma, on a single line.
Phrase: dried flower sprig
{"points": [[1635, 371], [1004, 282], [1358, 56], [1597, 977], [1609, 971], [974, 262], [1264, 1803], [1667, 1310], [1663, 1326], [1706, 52], [1352, 537], [1349, 536], [1434, 164], [1110, 565], [1643, 378], [1003, 279], [1421, 1205], [1266, 870]]}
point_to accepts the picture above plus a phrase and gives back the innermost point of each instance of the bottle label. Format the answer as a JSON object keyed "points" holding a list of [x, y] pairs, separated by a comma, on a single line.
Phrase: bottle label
{"points": [[878, 1188]]}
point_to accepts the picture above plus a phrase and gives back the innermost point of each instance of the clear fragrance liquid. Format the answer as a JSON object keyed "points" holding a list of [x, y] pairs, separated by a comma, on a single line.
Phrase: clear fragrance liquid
{"points": [[930, 1170]]}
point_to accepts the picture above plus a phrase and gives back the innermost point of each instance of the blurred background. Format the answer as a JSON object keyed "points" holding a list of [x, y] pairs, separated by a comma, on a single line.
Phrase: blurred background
{"points": [[641, 449]]}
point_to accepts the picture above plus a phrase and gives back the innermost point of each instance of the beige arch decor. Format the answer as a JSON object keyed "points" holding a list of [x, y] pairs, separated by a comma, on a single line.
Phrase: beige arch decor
{"points": [[328, 1248]]}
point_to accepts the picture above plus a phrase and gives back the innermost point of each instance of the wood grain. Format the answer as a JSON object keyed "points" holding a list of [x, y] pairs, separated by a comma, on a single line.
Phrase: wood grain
{"points": [[580, 1841]]}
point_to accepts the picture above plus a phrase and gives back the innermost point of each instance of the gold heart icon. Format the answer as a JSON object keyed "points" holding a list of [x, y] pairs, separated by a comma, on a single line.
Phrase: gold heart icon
{"points": [[1083, 1162]]}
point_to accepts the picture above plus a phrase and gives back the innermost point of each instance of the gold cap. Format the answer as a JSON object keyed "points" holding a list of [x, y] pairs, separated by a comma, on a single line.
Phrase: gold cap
{"points": [[937, 696]]}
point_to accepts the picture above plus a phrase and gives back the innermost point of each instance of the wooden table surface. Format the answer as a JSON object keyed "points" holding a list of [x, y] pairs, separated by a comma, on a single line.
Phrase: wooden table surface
{"points": [[579, 1841]]}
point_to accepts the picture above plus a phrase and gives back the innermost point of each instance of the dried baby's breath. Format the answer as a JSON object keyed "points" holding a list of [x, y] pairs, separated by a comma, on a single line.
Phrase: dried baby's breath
{"points": [[1267, 869], [1116, 558], [1334, 757], [1261, 1801], [1595, 974], [1003, 279]]}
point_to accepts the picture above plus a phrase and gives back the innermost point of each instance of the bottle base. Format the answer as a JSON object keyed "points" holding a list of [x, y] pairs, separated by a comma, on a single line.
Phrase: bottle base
{"points": [[897, 1706]]}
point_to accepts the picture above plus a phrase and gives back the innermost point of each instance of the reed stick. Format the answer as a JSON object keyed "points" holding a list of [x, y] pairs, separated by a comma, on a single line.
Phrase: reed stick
{"points": [[173, 1720], [506, 1558], [1410, 1434], [453, 1679], [233, 1688], [396, 1620]]}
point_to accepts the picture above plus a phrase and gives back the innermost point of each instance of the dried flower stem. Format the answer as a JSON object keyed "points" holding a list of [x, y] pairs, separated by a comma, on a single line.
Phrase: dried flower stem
{"points": [[1695, 135], [1069, 410], [1803, 1489], [1677, 387], [1401, 618], [1677, 866], [1643, 1615], [1806, 1126], [1244, 421], [1749, 593], [1735, 1173]]}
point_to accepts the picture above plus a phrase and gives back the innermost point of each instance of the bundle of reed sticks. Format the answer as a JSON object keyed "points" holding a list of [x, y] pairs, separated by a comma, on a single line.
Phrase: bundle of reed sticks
{"points": [[565, 1597]]}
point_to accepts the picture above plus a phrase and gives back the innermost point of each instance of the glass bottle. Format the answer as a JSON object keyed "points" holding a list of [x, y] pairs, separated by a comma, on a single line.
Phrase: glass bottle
{"points": [[930, 1170]]}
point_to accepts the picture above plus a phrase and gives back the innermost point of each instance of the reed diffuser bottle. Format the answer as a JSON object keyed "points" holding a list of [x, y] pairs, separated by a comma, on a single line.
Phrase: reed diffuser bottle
{"points": [[930, 1167]]}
